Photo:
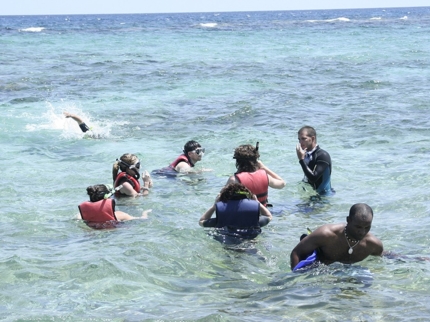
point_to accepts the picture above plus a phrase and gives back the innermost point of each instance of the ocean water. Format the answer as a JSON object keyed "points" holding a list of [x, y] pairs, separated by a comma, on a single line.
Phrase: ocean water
{"points": [[146, 84]]}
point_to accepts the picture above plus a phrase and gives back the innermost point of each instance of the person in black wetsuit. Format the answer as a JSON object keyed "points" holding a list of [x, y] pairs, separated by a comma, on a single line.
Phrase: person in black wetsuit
{"points": [[315, 162], [238, 212]]}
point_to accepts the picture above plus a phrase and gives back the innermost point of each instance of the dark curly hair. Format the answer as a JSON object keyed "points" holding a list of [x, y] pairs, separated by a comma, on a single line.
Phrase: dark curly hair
{"points": [[97, 192], [234, 191], [246, 158]]}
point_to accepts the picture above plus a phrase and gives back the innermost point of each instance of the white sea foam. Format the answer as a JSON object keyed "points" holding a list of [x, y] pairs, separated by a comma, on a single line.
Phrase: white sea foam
{"points": [[209, 24], [404, 18], [376, 18], [53, 119], [330, 20], [338, 19], [33, 29]]}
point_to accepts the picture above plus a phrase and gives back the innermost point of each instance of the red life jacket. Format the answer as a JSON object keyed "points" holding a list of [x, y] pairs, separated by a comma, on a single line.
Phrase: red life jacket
{"points": [[257, 182], [124, 177], [99, 214], [181, 158]]}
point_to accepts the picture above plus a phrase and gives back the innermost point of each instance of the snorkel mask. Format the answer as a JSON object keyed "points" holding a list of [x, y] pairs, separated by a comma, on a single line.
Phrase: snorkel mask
{"points": [[243, 193], [135, 167]]}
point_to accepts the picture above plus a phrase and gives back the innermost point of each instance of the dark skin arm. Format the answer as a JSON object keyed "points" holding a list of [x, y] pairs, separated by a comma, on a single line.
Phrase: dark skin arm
{"points": [[319, 238]]}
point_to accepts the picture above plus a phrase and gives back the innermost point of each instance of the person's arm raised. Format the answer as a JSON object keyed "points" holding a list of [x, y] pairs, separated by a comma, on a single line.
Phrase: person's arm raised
{"points": [[275, 181]]}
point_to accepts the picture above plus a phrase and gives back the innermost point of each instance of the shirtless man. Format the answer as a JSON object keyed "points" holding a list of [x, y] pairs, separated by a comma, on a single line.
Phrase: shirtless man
{"points": [[347, 244]]}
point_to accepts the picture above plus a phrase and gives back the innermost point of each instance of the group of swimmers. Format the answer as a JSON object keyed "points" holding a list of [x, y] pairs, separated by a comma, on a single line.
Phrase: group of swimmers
{"points": [[242, 206]]}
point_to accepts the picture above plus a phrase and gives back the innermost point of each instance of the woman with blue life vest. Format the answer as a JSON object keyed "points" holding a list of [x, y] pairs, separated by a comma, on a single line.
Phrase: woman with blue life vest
{"points": [[237, 210], [253, 174], [100, 211], [129, 177]]}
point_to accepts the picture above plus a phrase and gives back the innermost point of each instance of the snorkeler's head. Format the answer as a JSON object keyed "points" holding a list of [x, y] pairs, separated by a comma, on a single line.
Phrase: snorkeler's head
{"points": [[235, 191], [129, 163], [191, 146], [246, 158], [98, 192]]}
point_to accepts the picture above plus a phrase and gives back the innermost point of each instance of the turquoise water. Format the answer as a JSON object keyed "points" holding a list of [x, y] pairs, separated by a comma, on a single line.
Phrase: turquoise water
{"points": [[149, 83]]}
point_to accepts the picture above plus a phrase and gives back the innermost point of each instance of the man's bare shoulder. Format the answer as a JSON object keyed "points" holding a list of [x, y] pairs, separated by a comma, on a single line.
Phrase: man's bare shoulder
{"points": [[374, 244], [329, 230]]}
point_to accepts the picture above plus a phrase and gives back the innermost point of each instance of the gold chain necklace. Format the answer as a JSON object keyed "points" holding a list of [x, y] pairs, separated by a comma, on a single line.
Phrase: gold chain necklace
{"points": [[350, 250]]}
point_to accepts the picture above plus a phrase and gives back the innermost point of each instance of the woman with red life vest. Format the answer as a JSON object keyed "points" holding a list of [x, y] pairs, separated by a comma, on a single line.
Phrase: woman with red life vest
{"points": [[238, 212], [129, 176], [100, 211], [253, 174]]}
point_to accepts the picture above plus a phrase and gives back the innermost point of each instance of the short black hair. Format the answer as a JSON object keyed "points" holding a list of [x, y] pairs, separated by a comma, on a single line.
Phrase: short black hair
{"points": [[360, 209], [310, 131], [191, 146]]}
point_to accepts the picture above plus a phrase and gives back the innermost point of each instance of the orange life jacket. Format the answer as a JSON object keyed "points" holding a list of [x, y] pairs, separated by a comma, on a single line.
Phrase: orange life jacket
{"points": [[257, 182], [99, 214]]}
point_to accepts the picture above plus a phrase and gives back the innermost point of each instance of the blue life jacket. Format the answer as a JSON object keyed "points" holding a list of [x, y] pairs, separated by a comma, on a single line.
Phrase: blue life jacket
{"points": [[243, 213]]}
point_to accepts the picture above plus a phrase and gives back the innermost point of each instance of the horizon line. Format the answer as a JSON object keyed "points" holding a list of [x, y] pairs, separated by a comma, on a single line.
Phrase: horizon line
{"points": [[201, 12]]}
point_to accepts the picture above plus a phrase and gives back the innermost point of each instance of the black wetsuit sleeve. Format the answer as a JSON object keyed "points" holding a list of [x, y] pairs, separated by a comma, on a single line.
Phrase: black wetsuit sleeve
{"points": [[210, 222], [84, 127], [263, 221], [322, 162]]}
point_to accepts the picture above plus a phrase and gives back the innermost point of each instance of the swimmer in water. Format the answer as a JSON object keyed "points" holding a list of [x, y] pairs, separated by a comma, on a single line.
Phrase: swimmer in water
{"points": [[345, 243], [253, 174], [129, 176], [237, 211], [100, 211]]}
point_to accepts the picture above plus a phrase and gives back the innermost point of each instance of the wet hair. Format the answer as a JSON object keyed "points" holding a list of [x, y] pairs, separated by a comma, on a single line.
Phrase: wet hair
{"points": [[360, 209], [234, 191], [191, 146], [310, 131], [123, 163], [97, 192], [246, 158]]}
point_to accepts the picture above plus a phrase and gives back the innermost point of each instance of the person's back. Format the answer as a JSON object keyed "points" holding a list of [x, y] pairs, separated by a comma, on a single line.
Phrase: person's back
{"points": [[253, 174], [238, 213]]}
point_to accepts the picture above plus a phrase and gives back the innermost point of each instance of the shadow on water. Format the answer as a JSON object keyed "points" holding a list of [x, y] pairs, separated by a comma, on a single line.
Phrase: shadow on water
{"points": [[187, 178], [313, 203], [336, 276], [239, 241]]}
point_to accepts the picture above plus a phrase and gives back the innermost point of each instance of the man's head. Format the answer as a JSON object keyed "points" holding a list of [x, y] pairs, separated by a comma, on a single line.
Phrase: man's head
{"points": [[246, 158], [307, 137], [194, 151], [359, 221]]}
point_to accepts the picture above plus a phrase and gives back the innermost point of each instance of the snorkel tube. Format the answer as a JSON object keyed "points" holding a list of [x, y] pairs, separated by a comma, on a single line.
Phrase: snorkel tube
{"points": [[112, 191]]}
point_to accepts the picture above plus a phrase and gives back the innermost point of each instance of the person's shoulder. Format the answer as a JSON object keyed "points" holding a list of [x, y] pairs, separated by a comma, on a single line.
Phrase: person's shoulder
{"points": [[322, 151], [182, 167], [330, 230], [322, 155], [373, 240]]}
